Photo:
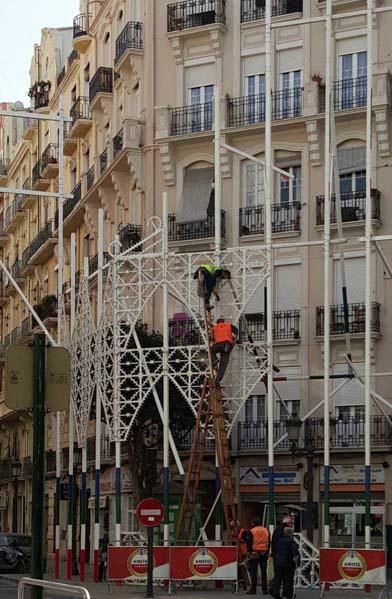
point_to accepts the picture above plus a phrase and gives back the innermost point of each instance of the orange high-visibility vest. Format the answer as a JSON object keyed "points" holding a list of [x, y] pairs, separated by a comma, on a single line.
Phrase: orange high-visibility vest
{"points": [[260, 539], [223, 332]]}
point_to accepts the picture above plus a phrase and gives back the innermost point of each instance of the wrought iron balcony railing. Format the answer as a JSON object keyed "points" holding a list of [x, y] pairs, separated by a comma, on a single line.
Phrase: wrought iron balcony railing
{"points": [[130, 236], [4, 166], [46, 233], [348, 432], [353, 206], [251, 10], [347, 94], [191, 119], [195, 13], [285, 325], [13, 209], [69, 205], [80, 25], [198, 229], [355, 316], [118, 141], [15, 335], [72, 57], [285, 218], [49, 156], [41, 99], [60, 76], [27, 326], [103, 161], [5, 469], [80, 109], [131, 37], [184, 331], [102, 82], [90, 177], [36, 172], [93, 262], [26, 256], [250, 110]]}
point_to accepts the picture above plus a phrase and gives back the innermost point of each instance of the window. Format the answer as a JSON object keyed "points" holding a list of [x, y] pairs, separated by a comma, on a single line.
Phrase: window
{"points": [[290, 188], [255, 92], [201, 99], [255, 408], [355, 280], [352, 182], [352, 75], [288, 287], [349, 401], [254, 184], [291, 94]]}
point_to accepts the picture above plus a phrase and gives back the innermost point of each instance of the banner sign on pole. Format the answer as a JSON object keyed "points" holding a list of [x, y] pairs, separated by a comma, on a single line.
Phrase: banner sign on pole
{"points": [[362, 566], [202, 563], [131, 563]]}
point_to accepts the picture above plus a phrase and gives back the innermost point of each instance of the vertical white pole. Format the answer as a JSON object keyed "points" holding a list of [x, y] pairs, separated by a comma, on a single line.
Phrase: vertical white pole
{"points": [[83, 493], [60, 273], [268, 236], [218, 175], [166, 406], [71, 433], [327, 234], [98, 407], [116, 397], [368, 278]]}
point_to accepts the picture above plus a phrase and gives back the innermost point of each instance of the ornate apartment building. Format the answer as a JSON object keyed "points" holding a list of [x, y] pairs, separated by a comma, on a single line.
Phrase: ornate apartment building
{"points": [[138, 79]]}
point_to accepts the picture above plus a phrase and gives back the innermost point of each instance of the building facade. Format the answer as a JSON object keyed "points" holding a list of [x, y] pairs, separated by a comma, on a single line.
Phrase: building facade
{"points": [[138, 80]]}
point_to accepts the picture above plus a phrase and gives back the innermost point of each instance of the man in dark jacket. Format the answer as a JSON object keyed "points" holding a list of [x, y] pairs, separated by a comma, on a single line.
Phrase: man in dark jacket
{"points": [[285, 561], [287, 522]]}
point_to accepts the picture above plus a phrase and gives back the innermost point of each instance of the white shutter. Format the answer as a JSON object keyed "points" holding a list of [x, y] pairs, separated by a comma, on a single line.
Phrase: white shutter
{"points": [[253, 65], [288, 287], [351, 45], [291, 60], [201, 75], [289, 390], [351, 394], [256, 303], [355, 280]]}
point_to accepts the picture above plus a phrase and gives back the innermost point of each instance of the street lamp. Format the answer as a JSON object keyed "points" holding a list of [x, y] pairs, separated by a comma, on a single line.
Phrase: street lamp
{"points": [[16, 469]]}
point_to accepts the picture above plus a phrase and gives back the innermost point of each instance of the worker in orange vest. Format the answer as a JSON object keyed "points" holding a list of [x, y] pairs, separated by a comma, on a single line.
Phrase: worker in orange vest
{"points": [[258, 548], [225, 336], [240, 535]]}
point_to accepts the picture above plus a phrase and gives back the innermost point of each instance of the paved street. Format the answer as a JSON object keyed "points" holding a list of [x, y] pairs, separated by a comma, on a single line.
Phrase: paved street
{"points": [[8, 587]]}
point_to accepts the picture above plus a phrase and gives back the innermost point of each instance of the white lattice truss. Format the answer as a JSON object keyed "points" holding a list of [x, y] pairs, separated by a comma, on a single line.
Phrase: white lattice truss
{"points": [[82, 365], [63, 337], [126, 375], [307, 575]]}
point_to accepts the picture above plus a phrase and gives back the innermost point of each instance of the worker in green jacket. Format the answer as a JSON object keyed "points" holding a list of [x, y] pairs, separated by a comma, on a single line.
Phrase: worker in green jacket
{"points": [[210, 276]]}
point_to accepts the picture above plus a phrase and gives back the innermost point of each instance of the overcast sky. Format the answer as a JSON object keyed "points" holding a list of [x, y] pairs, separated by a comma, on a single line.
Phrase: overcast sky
{"points": [[21, 22]]}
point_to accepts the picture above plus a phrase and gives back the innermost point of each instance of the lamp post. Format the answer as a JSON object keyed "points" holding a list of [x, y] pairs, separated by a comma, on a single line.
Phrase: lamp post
{"points": [[16, 469]]}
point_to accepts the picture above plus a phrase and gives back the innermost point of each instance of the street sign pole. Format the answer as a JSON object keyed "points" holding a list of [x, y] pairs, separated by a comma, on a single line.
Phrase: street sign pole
{"points": [[150, 562], [37, 528], [150, 512]]}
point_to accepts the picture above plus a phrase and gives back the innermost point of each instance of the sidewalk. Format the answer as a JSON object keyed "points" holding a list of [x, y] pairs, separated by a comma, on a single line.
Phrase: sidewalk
{"points": [[110, 591]]}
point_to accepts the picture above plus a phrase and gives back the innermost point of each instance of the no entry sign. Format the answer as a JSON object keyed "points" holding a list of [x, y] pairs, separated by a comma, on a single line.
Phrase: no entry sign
{"points": [[150, 512]]}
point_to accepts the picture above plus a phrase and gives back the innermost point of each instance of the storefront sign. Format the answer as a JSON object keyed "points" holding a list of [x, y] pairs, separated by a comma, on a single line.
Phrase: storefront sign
{"points": [[362, 566], [3, 501], [130, 563], [203, 563], [349, 474], [258, 475]]}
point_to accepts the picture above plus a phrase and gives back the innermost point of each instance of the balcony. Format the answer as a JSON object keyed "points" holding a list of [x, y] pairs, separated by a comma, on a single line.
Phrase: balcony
{"points": [[101, 86], [4, 237], [184, 331], [39, 93], [355, 316], [3, 297], [252, 10], [28, 201], [285, 219], [129, 40], [250, 110], [69, 205], [49, 162], [195, 13], [103, 161], [26, 328], [353, 207], [60, 77], [93, 262], [285, 326], [4, 166], [16, 272], [5, 469], [27, 469], [14, 215], [346, 433], [191, 119], [347, 94], [81, 119], [81, 36], [198, 229], [72, 58], [30, 128], [90, 177], [38, 181], [130, 237], [27, 268], [70, 143], [118, 142], [42, 244]]}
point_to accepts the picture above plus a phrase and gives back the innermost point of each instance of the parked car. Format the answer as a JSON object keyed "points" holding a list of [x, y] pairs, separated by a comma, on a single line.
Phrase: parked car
{"points": [[15, 552]]}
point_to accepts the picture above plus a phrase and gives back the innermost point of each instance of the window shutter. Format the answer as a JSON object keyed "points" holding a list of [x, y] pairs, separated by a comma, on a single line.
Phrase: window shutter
{"points": [[355, 280], [351, 159], [351, 394], [288, 287], [196, 195]]}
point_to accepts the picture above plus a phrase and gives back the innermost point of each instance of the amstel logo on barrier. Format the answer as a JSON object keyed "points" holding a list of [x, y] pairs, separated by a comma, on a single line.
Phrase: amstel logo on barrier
{"points": [[137, 563], [352, 565], [203, 562]]}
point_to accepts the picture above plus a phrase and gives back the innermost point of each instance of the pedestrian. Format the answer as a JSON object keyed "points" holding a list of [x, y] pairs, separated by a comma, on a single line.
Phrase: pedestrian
{"points": [[210, 276], [258, 551], [240, 536], [287, 522], [103, 558], [225, 336], [286, 560]]}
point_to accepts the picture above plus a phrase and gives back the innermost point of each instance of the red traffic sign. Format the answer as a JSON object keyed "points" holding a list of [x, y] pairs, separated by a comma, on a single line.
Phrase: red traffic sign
{"points": [[150, 512]]}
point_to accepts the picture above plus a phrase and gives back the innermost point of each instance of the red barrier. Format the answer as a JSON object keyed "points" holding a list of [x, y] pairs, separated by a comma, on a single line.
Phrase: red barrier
{"points": [[131, 563], [359, 566]]}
